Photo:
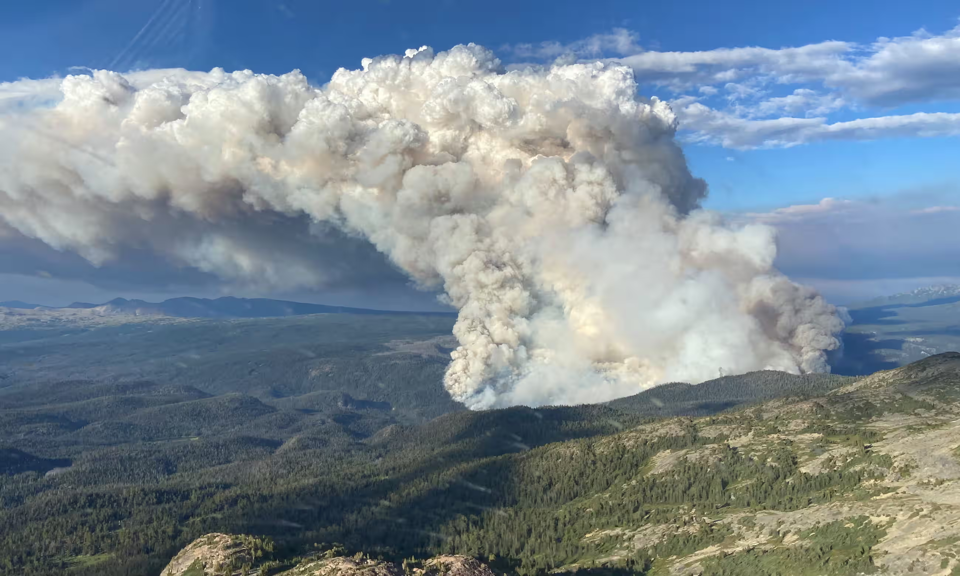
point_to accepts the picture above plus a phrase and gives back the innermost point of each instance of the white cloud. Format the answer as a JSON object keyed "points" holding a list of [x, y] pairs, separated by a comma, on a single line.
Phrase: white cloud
{"points": [[803, 101], [801, 211], [917, 68], [890, 72], [920, 68], [711, 126], [686, 70], [740, 91], [619, 41], [756, 97]]}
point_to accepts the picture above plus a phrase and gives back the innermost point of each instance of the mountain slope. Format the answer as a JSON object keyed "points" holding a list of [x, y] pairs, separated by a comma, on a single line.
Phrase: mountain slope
{"points": [[929, 295], [713, 396], [862, 479], [13, 461]]}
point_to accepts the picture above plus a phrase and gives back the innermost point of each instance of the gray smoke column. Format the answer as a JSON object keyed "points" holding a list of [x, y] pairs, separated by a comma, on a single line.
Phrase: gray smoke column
{"points": [[551, 205]]}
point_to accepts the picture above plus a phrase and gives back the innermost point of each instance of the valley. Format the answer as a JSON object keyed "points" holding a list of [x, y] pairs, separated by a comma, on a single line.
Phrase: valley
{"points": [[125, 438], [863, 479], [895, 330]]}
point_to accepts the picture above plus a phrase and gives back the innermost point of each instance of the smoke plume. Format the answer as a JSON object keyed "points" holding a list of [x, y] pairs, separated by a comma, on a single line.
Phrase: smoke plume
{"points": [[551, 205]]}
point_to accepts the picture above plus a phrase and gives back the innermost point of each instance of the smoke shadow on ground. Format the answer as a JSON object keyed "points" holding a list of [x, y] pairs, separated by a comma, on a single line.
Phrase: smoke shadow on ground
{"points": [[934, 302], [454, 466], [878, 316], [861, 355]]}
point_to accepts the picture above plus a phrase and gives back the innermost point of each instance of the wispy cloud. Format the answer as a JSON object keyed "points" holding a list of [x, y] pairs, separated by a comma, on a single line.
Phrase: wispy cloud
{"points": [[936, 210], [803, 101], [802, 211], [617, 42], [756, 97], [730, 130], [917, 69], [892, 71]]}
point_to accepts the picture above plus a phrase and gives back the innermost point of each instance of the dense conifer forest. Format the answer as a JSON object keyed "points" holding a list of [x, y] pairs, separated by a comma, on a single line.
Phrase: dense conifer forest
{"points": [[112, 476]]}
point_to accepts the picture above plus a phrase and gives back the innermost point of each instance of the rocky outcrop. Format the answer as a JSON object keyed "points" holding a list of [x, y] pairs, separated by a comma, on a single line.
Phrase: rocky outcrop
{"points": [[345, 567], [216, 555], [223, 554], [454, 566]]}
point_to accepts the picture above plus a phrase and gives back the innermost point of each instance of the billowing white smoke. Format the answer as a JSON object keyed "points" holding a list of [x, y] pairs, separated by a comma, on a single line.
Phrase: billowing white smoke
{"points": [[552, 206]]}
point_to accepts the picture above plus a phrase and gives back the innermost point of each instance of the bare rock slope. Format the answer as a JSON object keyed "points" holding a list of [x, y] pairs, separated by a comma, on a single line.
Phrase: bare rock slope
{"points": [[224, 554]]}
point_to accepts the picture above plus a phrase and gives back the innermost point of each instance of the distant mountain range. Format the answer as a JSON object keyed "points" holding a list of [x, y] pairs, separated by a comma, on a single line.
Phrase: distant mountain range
{"points": [[19, 304], [226, 307], [884, 333], [941, 294]]}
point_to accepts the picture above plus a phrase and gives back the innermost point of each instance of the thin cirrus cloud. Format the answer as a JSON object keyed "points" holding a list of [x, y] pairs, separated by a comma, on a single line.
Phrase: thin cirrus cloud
{"points": [[619, 41], [756, 97], [710, 126], [921, 69], [890, 72]]}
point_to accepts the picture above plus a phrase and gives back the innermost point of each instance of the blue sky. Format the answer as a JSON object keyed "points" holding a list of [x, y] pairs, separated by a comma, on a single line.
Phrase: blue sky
{"points": [[317, 37], [726, 103]]}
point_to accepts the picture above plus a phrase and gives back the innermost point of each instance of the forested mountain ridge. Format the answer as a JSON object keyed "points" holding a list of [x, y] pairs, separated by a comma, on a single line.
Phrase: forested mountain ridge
{"points": [[122, 443], [864, 477], [726, 392]]}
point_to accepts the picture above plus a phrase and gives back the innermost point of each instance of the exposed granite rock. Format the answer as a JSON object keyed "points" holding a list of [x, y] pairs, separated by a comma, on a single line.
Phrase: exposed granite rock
{"points": [[345, 567], [223, 554], [215, 555], [454, 566]]}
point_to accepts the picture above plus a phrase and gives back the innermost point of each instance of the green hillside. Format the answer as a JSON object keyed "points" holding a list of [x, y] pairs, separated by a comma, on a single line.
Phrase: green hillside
{"points": [[851, 479], [122, 443], [724, 393]]}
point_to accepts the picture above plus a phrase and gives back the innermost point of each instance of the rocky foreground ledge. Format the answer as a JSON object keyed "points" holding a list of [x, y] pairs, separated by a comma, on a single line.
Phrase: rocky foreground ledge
{"points": [[229, 555]]}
